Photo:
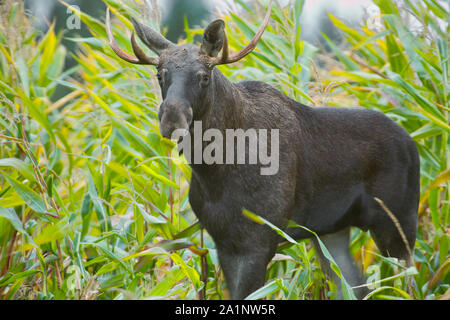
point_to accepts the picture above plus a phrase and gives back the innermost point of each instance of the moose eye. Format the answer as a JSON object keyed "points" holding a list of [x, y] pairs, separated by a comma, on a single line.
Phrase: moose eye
{"points": [[204, 79], [160, 75]]}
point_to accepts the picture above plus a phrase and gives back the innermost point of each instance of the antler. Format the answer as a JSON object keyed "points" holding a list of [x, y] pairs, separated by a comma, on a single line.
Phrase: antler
{"points": [[225, 58], [142, 58]]}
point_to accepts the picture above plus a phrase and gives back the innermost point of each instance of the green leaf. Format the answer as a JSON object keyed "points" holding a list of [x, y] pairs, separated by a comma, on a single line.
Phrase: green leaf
{"points": [[86, 214], [428, 108], [188, 232], [12, 217], [114, 256], [159, 177], [23, 73], [43, 270], [261, 220], [13, 12], [7, 280], [190, 272], [443, 248], [149, 218], [270, 288], [342, 57], [92, 41], [23, 168], [152, 252], [30, 197], [162, 288], [98, 204]]}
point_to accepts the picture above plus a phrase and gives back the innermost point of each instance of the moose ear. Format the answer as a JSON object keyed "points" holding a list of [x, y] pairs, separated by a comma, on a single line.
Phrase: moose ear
{"points": [[213, 38], [152, 39]]}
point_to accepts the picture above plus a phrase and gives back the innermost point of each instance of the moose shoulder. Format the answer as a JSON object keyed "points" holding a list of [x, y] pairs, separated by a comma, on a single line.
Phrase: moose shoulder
{"points": [[333, 163]]}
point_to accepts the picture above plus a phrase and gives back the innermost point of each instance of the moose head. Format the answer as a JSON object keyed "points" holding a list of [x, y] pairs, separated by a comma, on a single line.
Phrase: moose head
{"points": [[185, 72]]}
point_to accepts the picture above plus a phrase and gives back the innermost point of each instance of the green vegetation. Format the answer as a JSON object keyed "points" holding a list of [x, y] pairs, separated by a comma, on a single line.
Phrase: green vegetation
{"points": [[93, 202]]}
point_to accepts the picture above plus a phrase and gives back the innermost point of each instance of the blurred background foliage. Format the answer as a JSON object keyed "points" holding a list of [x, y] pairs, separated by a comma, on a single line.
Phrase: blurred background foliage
{"points": [[93, 202]]}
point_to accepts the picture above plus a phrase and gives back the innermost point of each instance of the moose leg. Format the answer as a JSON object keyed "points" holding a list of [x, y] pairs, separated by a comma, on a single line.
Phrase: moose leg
{"points": [[338, 246], [244, 272]]}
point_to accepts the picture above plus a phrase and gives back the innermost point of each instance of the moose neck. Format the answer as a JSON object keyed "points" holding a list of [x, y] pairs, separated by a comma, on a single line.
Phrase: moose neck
{"points": [[223, 108]]}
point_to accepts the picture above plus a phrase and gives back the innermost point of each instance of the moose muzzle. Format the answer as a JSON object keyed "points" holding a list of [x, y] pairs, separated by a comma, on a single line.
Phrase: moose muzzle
{"points": [[174, 116]]}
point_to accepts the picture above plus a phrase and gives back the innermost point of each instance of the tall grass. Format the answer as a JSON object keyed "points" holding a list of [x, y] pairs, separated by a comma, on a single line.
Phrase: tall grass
{"points": [[93, 202]]}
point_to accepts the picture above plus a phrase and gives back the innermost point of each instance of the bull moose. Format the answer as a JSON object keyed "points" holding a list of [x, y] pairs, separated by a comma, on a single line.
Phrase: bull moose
{"points": [[338, 167]]}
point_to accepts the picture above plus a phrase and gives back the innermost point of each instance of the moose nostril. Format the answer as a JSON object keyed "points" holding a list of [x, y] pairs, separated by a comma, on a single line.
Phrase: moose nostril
{"points": [[165, 134], [165, 130]]}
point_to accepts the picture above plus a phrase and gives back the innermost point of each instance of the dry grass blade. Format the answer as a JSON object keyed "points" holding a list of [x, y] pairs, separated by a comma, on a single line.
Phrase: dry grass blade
{"points": [[399, 228]]}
